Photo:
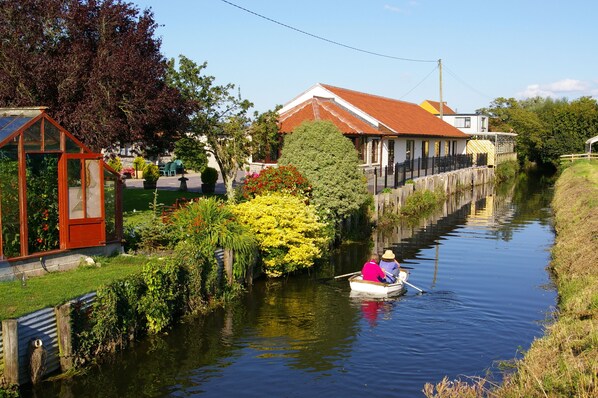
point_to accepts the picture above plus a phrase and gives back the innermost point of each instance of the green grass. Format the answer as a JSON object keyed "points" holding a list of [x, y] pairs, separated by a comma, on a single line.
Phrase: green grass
{"points": [[136, 199], [58, 287]]}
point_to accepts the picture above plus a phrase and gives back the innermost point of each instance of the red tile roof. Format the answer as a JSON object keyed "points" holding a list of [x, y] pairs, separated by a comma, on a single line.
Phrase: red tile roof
{"points": [[324, 109], [401, 118], [446, 110]]}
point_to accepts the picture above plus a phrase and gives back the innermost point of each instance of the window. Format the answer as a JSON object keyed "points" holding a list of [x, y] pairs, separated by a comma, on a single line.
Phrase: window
{"points": [[375, 150], [463, 122], [436, 148], [425, 148], [454, 148], [391, 153], [409, 150], [447, 148]]}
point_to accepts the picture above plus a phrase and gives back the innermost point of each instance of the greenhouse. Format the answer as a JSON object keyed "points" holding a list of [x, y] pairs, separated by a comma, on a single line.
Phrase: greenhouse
{"points": [[55, 193]]}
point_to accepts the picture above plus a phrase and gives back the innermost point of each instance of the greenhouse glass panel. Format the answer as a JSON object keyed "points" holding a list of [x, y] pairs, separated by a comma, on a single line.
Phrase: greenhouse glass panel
{"points": [[42, 202], [32, 137], [93, 193], [75, 189], [9, 199], [51, 137], [110, 204], [10, 124], [71, 146]]}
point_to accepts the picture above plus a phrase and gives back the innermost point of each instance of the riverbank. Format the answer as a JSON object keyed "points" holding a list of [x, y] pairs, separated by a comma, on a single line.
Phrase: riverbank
{"points": [[563, 363]]}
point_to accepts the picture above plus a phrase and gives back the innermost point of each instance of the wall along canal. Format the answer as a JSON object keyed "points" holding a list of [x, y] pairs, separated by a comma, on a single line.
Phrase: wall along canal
{"points": [[488, 294]]}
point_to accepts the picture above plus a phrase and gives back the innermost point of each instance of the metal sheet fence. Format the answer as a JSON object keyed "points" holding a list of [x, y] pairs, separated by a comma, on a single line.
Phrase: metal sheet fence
{"points": [[38, 325], [1, 351]]}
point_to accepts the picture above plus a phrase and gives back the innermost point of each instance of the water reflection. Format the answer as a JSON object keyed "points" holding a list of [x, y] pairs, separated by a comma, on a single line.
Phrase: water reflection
{"points": [[481, 258]]}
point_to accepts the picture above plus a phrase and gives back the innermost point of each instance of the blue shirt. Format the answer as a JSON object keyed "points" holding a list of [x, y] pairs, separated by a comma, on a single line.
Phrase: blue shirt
{"points": [[390, 267]]}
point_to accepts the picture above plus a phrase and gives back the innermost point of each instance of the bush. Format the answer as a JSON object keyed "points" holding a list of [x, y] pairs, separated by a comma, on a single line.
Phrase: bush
{"points": [[139, 163], [289, 234], [283, 179], [115, 163], [209, 175], [329, 161], [151, 173]]}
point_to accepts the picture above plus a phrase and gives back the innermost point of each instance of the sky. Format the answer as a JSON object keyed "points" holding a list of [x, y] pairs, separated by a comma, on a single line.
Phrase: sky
{"points": [[489, 49]]}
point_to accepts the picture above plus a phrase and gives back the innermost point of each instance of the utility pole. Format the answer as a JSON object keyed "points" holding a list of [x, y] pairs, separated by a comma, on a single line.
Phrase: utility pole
{"points": [[440, 72]]}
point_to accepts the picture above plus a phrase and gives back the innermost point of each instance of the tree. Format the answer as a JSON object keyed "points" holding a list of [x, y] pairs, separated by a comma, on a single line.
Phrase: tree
{"points": [[192, 153], [546, 128], [329, 161], [95, 63], [221, 118]]}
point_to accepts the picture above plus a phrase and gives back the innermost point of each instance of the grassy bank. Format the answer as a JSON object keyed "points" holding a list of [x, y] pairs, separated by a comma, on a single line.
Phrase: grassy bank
{"points": [[19, 298], [564, 363]]}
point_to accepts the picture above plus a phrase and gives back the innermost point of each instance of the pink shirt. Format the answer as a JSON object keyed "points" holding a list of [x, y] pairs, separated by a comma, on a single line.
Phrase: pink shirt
{"points": [[371, 271]]}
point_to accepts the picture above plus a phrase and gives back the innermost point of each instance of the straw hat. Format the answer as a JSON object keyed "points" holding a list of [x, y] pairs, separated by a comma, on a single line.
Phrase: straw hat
{"points": [[388, 255]]}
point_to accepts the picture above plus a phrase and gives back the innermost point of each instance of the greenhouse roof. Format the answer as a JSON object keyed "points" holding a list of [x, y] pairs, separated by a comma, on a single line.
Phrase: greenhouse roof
{"points": [[12, 119]]}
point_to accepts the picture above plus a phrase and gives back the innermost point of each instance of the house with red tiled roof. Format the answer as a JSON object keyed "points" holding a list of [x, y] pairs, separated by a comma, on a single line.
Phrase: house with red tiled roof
{"points": [[384, 130]]}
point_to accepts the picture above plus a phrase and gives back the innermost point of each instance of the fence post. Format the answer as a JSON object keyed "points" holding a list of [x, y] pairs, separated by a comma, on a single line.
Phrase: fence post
{"points": [[10, 345], [396, 175], [375, 180], [386, 177], [228, 265], [65, 341]]}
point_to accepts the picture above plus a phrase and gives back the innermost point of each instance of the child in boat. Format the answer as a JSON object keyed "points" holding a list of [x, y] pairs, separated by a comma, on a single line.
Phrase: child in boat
{"points": [[371, 271], [390, 265]]}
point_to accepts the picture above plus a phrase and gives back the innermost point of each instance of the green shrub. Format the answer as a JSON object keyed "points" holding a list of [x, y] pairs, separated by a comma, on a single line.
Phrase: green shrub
{"points": [[507, 170], [115, 163], [139, 163], [151, 173], [209, 175], [421, 203], [289, 233], [329, 161]]}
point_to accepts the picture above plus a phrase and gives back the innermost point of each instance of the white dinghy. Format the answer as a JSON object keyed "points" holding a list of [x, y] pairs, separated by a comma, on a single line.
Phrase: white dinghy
{"points": [[358, 285]]}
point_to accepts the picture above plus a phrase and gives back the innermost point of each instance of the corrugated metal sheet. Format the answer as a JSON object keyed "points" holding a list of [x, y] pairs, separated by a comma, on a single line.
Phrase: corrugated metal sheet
{"points": [[38, 325], [1, 351], [219, 253]]}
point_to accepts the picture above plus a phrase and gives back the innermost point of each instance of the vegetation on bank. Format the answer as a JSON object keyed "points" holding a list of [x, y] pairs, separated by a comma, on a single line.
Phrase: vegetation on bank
{"points": [[563, 363], [506, 171], [417, 206]]}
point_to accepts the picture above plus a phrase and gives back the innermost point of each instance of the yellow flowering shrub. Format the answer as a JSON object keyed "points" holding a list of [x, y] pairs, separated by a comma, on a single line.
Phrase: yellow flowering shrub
{"points": [[289, 234]]}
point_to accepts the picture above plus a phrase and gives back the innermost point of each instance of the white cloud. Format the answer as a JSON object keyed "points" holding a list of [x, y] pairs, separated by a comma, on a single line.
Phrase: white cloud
{"points": [[392, 8], [560, 88]]}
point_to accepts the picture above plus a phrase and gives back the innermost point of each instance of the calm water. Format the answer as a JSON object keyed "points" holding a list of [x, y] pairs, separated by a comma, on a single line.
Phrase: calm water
{"points": [[482, 264]]}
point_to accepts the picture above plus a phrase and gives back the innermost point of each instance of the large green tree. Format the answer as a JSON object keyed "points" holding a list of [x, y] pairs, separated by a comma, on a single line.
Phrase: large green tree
{"points": [[546, 128], [95, 63], [221, 119], [329, 161]]}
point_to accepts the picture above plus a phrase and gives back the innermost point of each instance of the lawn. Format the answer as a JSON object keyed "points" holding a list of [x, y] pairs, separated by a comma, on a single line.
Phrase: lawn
{"points": [[135, 199], [19, 298]]}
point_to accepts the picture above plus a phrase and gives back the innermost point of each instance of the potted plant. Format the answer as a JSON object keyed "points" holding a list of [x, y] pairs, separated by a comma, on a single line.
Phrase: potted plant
{"points": [[139, 166], [209, 176], [151, 173]]}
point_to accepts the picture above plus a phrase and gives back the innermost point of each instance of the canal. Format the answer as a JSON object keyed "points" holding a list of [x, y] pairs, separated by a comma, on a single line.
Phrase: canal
{"points": [[481, 260]]}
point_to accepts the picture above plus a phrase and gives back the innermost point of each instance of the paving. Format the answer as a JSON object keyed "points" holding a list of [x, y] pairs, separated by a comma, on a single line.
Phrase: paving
{"points": [[173, 183]]}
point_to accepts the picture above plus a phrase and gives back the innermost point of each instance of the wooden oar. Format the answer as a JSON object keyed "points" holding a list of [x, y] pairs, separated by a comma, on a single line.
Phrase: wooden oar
{"points": [[352, 273]]}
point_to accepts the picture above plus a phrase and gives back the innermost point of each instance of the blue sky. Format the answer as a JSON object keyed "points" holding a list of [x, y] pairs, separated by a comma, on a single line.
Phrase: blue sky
{"points": [[489, 49]]}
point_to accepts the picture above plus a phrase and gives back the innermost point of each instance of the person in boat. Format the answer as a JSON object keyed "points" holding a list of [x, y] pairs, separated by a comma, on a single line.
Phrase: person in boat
{"points": [[371, 271], [390, 265]]}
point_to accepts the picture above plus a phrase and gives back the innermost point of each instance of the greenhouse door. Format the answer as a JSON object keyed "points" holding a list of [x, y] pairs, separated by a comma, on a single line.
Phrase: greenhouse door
{"points": [[83, 201]]}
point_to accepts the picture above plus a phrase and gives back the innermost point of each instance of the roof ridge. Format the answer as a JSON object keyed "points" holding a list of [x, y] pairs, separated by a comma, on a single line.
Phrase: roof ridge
{"points": [[367, 94]]}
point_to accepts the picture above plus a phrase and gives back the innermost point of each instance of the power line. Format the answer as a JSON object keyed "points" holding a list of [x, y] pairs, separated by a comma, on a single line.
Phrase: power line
{"points": [[466, 84], [323, 38], [418, 84]]}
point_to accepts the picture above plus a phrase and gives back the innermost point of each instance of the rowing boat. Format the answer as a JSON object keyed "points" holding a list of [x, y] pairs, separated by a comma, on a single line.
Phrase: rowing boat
{"points": [[378, 288]]}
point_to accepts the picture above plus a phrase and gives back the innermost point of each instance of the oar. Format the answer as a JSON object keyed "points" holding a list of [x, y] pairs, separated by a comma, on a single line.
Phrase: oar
{"points": [[405, 282], [415, 287], [352, 273]]}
